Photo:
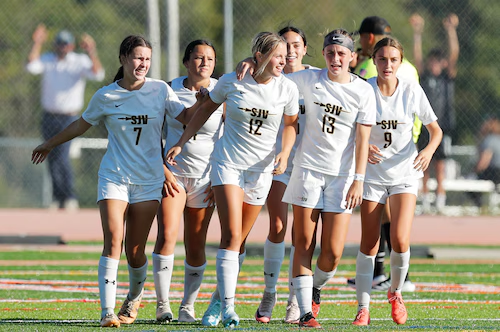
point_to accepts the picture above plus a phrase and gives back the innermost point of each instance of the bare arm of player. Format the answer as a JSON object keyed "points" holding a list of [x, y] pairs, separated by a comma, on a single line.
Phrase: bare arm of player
{"points": [[355, 193], [188, 113], [287, 142], [244, 66], [76, 128], [204, 111], [425, 155]]}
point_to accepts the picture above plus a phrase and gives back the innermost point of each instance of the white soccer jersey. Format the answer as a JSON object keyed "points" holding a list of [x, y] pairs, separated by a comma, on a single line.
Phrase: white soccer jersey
{"points": [[300, 128], [333, 109], [193, 161], [393, 132], [253, 116], [134, 120]]}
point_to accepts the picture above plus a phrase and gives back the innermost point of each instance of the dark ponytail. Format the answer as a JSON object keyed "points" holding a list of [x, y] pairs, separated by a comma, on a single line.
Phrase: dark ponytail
{"points": [[127, 46]]}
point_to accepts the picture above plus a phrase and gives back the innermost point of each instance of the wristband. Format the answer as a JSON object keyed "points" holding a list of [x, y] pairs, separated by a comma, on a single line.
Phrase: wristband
{"points": [[359, 177]]}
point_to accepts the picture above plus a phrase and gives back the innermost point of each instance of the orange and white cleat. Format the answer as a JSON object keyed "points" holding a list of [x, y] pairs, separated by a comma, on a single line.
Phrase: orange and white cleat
{"points": [[399, 313], [362, 318]]}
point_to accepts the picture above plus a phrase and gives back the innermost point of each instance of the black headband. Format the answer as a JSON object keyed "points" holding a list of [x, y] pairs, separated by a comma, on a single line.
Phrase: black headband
{"points": [[339, 39]]}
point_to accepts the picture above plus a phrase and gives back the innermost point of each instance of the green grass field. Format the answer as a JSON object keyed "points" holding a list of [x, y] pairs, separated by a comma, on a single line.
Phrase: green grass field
{"points": [[57, 291]]}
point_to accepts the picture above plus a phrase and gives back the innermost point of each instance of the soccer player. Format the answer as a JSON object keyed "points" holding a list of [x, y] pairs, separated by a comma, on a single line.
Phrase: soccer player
{"points": [[394, 169], [244, 159], [131, 175], [187, 188], [371, 30], [329, 165]]}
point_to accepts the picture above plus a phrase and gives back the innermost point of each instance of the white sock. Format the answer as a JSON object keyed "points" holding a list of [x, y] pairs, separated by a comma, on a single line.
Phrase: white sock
{"points": [[241, 259], [364, 277], [162, 273], [107, 273], [321, 278], [227, 275], [400, 262], [303, 289], [291, 295], [193, 276], [274, 253], [136, 276]]}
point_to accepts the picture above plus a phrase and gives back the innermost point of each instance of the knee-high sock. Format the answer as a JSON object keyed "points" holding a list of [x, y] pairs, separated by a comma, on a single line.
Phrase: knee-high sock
{"points": [[241, 259], [400, 262], [193, 276], [162, 274], [291, 295], [274, 253], [107, 273], [364, 278], [320, 277], [137, 276], [227, 275], [303, 290]]}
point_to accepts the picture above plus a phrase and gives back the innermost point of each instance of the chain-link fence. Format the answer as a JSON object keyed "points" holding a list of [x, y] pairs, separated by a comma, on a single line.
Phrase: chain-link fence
{"points": [[108, 22]]}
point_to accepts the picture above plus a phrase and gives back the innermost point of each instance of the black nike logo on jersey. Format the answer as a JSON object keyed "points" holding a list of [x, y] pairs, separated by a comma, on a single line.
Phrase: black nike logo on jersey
{"points": [[118, 105]]}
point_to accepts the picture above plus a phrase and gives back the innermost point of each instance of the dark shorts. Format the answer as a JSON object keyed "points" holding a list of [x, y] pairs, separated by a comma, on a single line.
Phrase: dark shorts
{"points": [[441, 152]]}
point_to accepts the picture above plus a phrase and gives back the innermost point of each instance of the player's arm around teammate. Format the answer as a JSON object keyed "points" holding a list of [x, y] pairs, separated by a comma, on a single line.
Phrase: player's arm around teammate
{"points": [[329, 165], [187, 187], [395, 167], [243, 160]]}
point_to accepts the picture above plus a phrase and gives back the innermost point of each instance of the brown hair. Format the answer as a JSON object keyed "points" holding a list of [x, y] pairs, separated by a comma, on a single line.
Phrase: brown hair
{"points": [[388, 41]]}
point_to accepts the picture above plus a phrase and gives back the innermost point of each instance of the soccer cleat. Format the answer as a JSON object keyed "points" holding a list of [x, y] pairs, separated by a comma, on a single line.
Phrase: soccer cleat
{"points": [[265, 309], [362, 318], [292, 313], [408, 286], [316, 301], [110, 320], [398, 312], [309, 321], [376, 280], [186, 314], [229, 317], [129, 309], [163, 312], [211, 317]]}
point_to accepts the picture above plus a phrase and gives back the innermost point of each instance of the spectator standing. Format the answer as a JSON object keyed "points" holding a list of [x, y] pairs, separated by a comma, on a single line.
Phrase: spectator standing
{"points": [[64, 74], [437, 77]]}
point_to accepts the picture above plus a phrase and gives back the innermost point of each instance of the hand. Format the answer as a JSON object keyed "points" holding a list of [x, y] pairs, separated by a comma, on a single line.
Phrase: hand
{"points": [[40, 34], [244, 66], [374, 154], [280, 163], [170, 185], [422, 160], [202, 95], [417, 22], [450, 22], [354, 195], [210, 198], [87, 43], [40, 153], [171, 154]]}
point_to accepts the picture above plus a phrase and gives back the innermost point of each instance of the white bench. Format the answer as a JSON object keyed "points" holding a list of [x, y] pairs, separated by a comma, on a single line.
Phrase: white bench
{"points": [[486, 187]]}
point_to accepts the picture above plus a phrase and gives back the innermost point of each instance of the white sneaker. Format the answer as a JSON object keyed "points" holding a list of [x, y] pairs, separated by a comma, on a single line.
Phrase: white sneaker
{"points": [[71, 204], [163, 312], [229, 317], [186, 314], [211, 317], [292, 312], [408, 286]]}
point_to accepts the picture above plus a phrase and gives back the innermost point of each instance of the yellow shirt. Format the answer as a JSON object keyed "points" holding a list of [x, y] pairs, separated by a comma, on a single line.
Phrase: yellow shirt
{"points": [[367, 69]]}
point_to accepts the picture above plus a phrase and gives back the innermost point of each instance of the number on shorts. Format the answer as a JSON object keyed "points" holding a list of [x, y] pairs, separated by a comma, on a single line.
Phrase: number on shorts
{"points": [[255, 125], [138, 129]]}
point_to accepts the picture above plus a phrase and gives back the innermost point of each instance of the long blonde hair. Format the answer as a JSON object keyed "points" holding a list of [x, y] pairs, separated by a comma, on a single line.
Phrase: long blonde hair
{"points": [[265, 43]]}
